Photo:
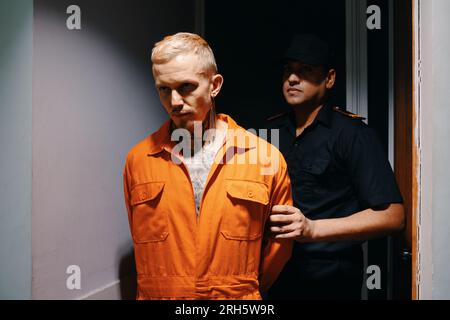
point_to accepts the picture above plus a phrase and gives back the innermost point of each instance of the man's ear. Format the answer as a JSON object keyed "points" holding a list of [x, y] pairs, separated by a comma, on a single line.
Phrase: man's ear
{"points": [[217, 81], [331, 79]]}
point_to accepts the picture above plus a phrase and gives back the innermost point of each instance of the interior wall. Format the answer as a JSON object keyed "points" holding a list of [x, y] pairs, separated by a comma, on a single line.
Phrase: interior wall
{"points": [[433, 50], [16, 40], [93, 99]]}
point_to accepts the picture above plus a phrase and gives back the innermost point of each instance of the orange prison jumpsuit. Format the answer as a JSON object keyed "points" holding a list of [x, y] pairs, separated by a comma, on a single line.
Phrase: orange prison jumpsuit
{"points": [[223, 253]]}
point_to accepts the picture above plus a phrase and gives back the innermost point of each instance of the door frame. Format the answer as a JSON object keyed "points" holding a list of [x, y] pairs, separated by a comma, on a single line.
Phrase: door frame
{"points": [[406, 159], [403, 150]]}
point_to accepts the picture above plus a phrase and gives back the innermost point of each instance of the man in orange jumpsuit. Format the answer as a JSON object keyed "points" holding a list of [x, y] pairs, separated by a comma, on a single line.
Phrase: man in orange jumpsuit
{"points": [[197, 213]]}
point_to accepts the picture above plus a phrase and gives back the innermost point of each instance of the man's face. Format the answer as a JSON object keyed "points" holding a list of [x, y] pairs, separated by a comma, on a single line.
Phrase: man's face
{"points": [[185, 92], [304, 84]]}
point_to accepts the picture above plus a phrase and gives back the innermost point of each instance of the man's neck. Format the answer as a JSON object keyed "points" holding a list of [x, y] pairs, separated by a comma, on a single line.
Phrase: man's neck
{"points": [[199, 140], [197, 133], [204, 137], [305, 116]]}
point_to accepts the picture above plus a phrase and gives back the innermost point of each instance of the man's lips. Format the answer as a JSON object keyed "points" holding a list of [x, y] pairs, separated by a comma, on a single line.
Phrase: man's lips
{"points": [[294, 90], [181, 114]]}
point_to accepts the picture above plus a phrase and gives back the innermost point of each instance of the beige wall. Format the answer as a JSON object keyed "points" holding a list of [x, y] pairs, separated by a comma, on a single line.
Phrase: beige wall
{"points": [[16, 44], [93, 99], [433, 67]]}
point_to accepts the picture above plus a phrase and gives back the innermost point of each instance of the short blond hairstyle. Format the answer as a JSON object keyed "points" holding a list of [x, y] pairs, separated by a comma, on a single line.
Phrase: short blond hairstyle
{"points": [[185, 43]]}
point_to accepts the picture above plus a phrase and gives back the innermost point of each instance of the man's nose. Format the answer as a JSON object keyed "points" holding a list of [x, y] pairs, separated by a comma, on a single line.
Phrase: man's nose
{"points": [[176, 99], [294, 78]]}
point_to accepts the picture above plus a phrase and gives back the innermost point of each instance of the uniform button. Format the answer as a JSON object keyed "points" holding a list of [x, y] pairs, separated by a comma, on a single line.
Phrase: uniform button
{"points": [[143, 195], [250, 194]]}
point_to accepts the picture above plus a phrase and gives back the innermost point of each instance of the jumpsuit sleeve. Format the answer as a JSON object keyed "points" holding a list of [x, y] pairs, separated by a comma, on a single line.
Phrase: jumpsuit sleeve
{"points": [[126, 191], [276, 252]]}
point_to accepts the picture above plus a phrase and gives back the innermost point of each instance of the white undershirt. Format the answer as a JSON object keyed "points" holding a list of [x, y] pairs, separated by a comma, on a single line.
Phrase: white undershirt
{"points": [[200, 164]]}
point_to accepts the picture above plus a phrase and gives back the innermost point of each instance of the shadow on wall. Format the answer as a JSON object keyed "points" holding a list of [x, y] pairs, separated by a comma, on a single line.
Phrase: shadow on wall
{"points": [[127, 276], [93, 99]]}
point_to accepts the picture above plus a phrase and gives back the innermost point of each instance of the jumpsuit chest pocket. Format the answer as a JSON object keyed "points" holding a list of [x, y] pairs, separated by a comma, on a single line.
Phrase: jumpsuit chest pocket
{"points": [[244, 214], [149, 219]]}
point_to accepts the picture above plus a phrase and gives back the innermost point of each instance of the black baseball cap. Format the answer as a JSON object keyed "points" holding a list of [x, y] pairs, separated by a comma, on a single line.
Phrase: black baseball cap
{"points": [[309, 49]]}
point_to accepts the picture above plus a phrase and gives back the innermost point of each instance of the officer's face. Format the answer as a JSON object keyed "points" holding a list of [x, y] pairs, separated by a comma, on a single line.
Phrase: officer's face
{"points": [[185, 90], [305, 84]]}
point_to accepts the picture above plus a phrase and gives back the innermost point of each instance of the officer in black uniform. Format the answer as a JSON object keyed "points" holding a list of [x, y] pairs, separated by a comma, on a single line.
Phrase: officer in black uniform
{"points": [[343, 186]]}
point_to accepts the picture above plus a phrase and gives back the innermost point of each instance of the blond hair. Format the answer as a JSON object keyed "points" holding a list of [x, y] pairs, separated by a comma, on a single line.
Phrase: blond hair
{"points": [[185, 43]]}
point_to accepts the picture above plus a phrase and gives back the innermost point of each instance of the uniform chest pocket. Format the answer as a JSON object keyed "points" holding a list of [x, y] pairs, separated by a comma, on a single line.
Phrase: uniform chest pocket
{"points": [[314, 166], [312, 175], [246, 206], [149, 219]]}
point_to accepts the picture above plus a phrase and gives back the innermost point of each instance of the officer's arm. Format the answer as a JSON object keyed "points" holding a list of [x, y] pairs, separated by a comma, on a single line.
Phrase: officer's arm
{"points": [[290, 223], [367, 224], [375, 186]]}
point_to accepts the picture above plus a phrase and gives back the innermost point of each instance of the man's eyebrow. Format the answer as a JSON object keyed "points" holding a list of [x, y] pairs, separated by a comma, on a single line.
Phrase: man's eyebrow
{"points": [[160, 84], [176, 83], [302, 67], [188, 81]]}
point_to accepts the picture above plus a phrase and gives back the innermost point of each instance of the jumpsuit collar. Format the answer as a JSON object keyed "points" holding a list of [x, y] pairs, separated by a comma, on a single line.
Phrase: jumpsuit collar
{"points": [[161, 139]]}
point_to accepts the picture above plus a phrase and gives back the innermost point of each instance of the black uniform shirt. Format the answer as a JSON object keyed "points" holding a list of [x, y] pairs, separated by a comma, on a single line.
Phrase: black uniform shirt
{"points": [[337, 167]]}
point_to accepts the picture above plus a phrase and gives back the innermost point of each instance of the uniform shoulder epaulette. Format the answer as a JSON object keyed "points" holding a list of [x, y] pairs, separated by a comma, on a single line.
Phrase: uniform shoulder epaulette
{"points": [[348, 114], [277, 116]]}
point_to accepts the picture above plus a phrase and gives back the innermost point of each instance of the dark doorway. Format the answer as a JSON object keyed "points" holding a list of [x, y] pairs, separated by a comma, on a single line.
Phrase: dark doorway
{"points": [[248, 39]]}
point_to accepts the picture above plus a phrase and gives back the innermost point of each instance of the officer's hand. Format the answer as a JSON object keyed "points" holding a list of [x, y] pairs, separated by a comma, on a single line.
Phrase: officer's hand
{"points": [[287, 222]]}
